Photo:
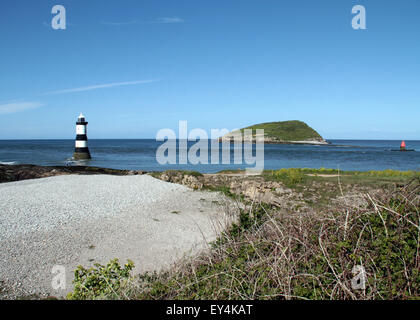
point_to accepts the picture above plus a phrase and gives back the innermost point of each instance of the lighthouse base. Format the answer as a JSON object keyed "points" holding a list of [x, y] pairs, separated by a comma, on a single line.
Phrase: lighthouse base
{"points": [[81, 154]]}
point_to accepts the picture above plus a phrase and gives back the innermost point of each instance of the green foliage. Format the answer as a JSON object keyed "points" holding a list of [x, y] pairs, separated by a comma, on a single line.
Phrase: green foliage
{"points": [[384, 239], [290, 177], [327, 171], [246, 221], [320, 171], [306, 257], [287, 131], [390, 173], [100, 281], [225, 190], [298, 177], [192, 173], [394, 250]]}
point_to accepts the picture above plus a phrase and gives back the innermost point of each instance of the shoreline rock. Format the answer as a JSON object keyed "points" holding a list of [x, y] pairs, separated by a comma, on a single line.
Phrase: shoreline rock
{"points": [[17, 172]]}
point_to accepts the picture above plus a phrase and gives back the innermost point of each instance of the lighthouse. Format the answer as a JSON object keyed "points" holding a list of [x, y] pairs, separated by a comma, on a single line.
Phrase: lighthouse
{"points": [[81, 150]]}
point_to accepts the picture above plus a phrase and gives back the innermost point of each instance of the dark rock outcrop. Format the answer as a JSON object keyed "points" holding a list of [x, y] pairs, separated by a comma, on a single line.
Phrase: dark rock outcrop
{"points": [[9, 173]]}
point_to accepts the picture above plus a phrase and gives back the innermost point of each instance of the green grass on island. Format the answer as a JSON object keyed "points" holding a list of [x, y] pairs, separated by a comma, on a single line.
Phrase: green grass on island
{"points": [[285, 131]]}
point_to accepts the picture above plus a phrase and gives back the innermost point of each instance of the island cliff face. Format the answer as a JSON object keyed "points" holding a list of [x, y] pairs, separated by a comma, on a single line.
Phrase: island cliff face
{"points": [[288, 132]]}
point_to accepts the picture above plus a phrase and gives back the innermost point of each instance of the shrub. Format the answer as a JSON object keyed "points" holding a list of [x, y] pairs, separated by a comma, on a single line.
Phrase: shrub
{"points": [[307, 256], [101, 281], [389, 173], [290, 177]]}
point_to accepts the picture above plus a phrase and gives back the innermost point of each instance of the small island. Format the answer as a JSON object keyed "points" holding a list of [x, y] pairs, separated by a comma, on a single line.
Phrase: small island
{"points": [[287, 132]]}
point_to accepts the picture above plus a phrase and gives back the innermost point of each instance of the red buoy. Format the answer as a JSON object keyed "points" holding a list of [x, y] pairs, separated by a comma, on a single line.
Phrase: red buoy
{"points": [[403, 148]]}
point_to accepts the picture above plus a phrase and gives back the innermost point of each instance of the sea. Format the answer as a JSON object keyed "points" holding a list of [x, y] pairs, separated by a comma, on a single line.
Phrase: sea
{"points": [[140, 154]]}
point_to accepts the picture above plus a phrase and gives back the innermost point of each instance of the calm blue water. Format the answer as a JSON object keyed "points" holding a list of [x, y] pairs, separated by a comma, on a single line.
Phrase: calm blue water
{"points": [[141, 155]]}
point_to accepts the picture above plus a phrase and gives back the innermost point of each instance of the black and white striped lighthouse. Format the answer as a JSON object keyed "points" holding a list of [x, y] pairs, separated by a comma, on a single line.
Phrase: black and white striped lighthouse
{"points": [[81, 151]]}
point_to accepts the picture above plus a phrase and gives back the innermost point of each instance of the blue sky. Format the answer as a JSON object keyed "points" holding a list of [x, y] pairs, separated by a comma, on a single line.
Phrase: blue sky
{"points": [[134, 67]]}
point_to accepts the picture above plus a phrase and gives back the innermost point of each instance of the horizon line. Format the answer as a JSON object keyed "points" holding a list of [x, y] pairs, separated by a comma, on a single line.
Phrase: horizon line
{"points": [[72, 139]]}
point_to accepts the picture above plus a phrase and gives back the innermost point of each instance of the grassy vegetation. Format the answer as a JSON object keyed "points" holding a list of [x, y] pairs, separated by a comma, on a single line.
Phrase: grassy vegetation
{"points": [[297, 177], [307, 257], [383, 173], [228, 171], [287, 130], [275, 254], [225, 190], [327, 184]]}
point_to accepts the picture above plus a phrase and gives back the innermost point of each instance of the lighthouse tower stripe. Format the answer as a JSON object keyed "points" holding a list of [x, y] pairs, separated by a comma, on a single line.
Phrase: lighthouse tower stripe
{"points": [[81, 150], [81, 144], [80, 129], [81, 137]]}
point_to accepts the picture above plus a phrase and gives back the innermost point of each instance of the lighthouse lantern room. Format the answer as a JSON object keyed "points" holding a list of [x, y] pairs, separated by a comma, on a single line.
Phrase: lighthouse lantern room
{"points": [[81, 150]]}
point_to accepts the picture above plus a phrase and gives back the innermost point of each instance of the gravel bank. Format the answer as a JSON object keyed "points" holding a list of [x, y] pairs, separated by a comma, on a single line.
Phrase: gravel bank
{"points": [[77, 219]]}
